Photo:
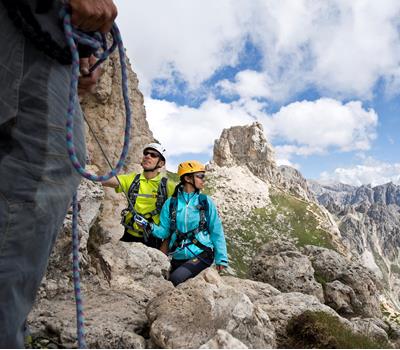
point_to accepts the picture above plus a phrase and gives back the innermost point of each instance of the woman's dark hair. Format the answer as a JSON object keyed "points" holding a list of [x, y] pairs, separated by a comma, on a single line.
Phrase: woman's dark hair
{"points": [[177, 187]]}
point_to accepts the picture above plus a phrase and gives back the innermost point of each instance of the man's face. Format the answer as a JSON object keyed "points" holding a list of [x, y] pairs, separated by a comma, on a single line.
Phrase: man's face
{"points": [[150, 159]]}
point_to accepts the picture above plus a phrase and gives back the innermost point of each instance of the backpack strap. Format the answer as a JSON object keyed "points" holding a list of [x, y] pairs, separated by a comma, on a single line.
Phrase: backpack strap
{"points": [[133, 192], [204, 212], [172, 213], [162, 194]]}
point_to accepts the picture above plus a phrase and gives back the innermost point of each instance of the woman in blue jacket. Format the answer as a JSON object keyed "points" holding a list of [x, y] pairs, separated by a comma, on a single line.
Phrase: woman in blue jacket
{"points": [[190, 220]]}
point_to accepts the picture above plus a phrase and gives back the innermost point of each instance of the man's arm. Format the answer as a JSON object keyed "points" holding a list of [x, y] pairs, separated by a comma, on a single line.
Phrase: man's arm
{"points": [[113, 182]]}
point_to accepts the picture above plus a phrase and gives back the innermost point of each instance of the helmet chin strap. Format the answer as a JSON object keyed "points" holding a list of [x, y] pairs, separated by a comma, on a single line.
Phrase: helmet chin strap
{"points": [[157, 166]]}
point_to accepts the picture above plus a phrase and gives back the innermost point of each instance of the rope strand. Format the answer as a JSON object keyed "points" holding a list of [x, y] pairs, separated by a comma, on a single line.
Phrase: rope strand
{"points": [[98, 42], [73, 37]]}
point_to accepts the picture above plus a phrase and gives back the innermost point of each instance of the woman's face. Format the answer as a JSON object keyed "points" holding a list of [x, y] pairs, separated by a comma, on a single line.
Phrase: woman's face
{"points": [[199, 179]]}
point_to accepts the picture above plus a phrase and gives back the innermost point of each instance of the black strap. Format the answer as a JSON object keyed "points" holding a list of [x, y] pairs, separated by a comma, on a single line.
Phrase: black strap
{"points": [[133, 191], [162, 193], [190, 235], [192, 240]]}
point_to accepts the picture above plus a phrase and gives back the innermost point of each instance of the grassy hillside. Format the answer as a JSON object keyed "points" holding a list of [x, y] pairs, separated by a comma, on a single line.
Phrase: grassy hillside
{"points": [[287, 218]]}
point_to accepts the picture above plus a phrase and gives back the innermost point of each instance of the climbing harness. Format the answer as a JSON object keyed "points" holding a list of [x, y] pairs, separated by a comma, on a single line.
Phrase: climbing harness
{"points": [[97, 42], [190, 236], [133, 193]]}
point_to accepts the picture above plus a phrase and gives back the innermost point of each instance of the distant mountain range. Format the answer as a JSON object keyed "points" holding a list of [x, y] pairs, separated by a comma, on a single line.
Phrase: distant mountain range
{"points": [[369, 222]]}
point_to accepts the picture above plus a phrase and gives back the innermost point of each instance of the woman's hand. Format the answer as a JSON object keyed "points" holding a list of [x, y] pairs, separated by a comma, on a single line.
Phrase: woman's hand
{"points": [[220, 268]]}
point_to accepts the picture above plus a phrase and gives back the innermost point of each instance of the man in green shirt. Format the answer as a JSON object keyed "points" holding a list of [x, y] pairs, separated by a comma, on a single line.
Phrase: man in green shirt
{"points": [[147, 193]]}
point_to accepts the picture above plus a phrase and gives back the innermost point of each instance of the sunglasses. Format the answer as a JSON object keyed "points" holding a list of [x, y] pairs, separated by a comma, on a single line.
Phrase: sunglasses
{"points": [[151, 154], [200, 176]]}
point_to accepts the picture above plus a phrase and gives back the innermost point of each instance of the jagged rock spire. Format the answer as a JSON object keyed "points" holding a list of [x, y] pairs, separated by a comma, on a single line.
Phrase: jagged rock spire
{"points": [[246, 146]]}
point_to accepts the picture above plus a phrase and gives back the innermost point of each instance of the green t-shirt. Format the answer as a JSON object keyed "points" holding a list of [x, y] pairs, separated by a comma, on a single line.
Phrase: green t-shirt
{"points": [[143, 205]]}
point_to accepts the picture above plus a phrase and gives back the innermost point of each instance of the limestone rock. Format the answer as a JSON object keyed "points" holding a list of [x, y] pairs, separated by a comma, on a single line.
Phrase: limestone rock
{"points": [[292, 180], [372, 328], [369, 222], [192, 313], [246, 146], [253, 289], [341, 298], [284, 307], [126, 264], [289, 271], [114, 299], [331, 266], [59, 273], [112, 320], [105, 111], [223, 340]]}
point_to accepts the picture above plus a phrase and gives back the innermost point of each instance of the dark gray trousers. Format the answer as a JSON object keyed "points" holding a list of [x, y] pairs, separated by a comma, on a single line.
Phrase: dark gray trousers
{"points": [[37, 180]]}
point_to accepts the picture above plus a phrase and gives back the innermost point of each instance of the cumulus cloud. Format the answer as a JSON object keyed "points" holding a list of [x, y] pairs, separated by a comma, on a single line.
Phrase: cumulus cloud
{"points": [[190, 38], [184, 129], [371, 172], [312, 127], [339, 47], [248, 84]]}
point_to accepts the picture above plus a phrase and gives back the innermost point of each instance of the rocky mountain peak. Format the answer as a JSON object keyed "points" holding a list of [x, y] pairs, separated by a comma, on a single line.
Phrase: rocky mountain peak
{"points": [[369, 224], [246, 146]]}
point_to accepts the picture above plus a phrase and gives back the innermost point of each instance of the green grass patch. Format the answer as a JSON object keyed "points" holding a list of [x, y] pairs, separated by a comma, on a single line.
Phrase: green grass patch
{"points": [[320, 279], [173, 176], [395, 269], [287, 218], [323, 331], [302, 220]]}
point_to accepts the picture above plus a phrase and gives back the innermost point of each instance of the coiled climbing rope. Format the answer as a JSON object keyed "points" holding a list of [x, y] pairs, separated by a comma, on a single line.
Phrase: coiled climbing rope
{"points": [[99, 43]]}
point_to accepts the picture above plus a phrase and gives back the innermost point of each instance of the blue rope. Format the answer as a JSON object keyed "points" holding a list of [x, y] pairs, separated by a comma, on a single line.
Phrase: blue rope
{"points": [[74, 36], [99, 43], [80, 320]]}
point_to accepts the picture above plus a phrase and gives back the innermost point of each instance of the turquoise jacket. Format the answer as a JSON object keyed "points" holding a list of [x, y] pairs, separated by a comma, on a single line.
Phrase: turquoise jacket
{"points": [[187, 219]]}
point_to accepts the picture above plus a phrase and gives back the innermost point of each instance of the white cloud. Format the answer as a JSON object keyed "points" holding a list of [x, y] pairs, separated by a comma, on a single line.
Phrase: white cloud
{"points": [[248, 84], [183, 129], [339, 47], [193, 38], [315, 127], [372, 172]]}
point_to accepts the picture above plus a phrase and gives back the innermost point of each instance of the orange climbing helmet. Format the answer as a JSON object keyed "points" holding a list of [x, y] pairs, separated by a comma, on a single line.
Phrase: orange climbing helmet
{"points": [[190, 166]]}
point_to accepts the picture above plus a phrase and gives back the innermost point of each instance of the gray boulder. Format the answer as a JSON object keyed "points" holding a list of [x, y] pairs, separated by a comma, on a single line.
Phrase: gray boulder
{"points": [[192, 313], [253, 289], [341, 298], [223, 340], [371, 327], [284, 307], [288, 270], [330, 266]]}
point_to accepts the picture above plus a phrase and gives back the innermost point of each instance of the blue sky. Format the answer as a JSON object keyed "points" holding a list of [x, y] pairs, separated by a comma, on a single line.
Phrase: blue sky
{"points": [[323, 78]]}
